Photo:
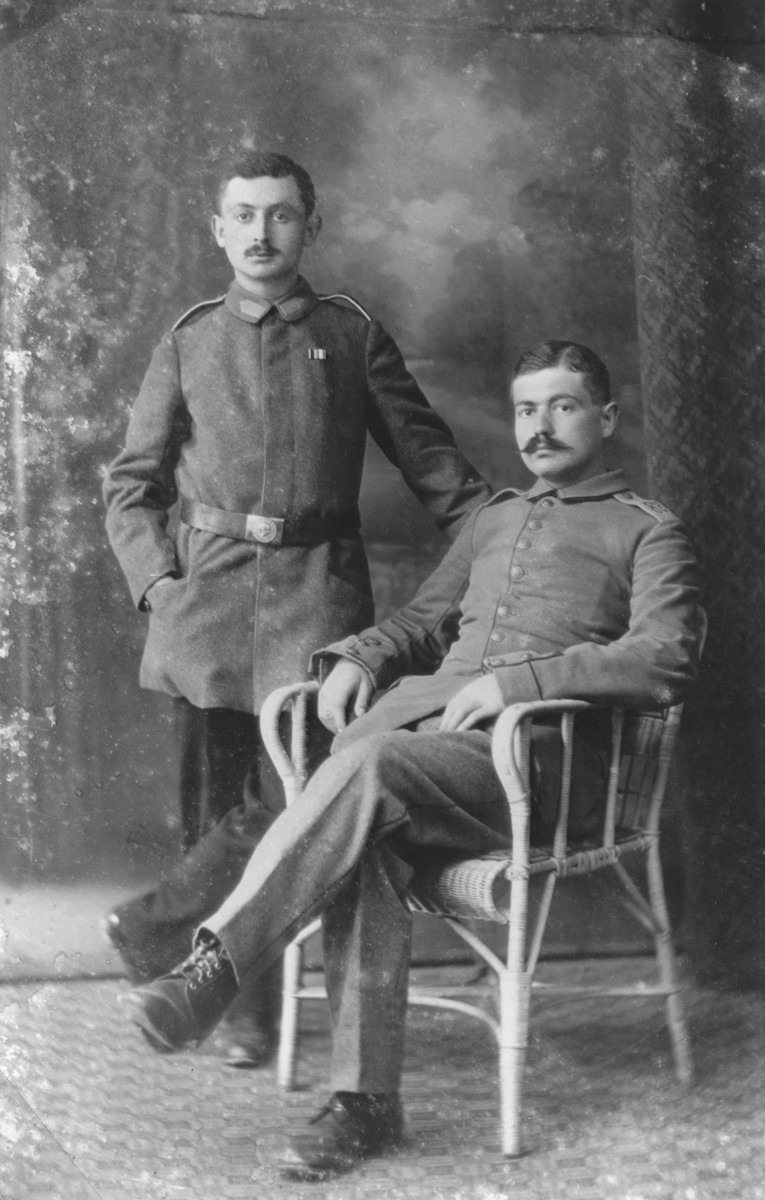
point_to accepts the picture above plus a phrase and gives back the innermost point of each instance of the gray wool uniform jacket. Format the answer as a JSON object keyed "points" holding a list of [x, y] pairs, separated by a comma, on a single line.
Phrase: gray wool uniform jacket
{"points": [[588, 592], [255, 408]]}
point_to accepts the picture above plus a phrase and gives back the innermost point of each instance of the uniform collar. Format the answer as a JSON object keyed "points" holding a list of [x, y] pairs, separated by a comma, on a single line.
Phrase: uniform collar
{"points": [[605, 484], [296, 304]]}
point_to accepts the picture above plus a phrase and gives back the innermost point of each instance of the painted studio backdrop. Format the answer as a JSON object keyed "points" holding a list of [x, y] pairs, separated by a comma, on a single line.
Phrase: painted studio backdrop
{"points": [[480, 188]]}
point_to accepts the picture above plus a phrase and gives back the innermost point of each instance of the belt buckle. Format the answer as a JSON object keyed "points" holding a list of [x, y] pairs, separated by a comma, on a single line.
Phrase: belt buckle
{"points": [[261, 529]]}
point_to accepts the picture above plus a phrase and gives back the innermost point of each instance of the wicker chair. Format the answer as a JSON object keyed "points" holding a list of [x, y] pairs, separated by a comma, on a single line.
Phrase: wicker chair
{"points": [[495, 888]]}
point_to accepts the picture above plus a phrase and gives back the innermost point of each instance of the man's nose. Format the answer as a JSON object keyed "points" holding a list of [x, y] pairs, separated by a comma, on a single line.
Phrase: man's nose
{"points": [[259, 228], [543, 421]]}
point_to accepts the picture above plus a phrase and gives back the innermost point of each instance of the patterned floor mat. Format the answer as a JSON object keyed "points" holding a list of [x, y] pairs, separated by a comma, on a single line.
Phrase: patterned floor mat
{"points": [[88, 1112]]}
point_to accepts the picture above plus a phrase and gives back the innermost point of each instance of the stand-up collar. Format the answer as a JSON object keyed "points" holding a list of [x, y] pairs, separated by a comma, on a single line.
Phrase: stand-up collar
{"points": [[297, 302], [605, 484]]}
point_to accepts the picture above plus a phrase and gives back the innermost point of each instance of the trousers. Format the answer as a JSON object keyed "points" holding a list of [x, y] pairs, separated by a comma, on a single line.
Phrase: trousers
{"points": [[346, 848], [229, 795], [219, 766]]}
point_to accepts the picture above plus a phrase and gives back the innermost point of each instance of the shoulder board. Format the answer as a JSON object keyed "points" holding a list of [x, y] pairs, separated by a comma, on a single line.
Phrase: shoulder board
{"points": [[349, 299], [197, 308], [654, 509], [508, 493]]}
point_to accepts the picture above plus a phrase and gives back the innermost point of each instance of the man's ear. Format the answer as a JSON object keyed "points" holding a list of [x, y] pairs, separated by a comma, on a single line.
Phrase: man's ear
{"points": [[609, 418], [216, 224], [312, 228]]}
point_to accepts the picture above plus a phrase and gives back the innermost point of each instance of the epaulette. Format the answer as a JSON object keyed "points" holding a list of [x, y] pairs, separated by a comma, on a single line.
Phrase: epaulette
{"points": [[197, 308], [349, 299], [505, 493], [654, 509]]}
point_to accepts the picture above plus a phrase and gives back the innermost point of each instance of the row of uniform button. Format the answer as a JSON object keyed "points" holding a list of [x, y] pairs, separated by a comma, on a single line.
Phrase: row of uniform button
{"points": [[524, 543], [516, 572]]}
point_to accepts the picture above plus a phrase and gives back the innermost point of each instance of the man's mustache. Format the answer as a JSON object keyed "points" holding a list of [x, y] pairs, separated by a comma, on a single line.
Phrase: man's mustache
{"points": [[257, 251], [541, 440]]}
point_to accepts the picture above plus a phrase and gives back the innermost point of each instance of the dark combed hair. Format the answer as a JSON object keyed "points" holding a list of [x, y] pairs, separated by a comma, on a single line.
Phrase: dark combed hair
{"points": [[252, 164], [574, 357]]}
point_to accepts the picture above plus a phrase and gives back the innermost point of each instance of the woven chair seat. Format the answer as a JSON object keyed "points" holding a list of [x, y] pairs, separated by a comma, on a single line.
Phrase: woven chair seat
{"points": [[478, 889]]}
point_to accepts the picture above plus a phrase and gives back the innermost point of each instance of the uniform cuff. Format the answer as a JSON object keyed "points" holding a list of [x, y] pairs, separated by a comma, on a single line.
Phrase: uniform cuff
{"points": [[366, 650], [517, 683]]}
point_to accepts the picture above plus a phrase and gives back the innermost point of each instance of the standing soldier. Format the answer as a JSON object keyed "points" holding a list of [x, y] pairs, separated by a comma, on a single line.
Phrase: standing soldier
{"points": [[253, 415]]}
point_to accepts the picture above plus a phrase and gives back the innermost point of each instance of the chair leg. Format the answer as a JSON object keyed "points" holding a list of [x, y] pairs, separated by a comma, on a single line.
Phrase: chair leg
{"points": [[288, 1033], [678, 1028], [513, 1037], [668, 972]]}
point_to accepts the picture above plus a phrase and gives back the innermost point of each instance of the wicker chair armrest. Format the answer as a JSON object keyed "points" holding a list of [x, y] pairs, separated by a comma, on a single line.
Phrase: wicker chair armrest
{"points": [[510, 743], [294, 695], [511, 746]]}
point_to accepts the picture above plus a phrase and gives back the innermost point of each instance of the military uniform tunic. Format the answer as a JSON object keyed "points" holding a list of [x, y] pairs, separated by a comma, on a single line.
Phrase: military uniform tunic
{"points": [[587, 592], [264, 409]]}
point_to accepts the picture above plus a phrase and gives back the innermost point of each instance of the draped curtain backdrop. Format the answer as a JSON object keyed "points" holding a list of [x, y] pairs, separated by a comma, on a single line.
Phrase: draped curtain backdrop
{"points": [[490, 174]]}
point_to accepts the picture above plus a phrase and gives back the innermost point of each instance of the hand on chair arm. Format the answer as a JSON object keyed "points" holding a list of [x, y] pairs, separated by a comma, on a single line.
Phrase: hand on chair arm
{"points": [[478, 701], [347, 690]]}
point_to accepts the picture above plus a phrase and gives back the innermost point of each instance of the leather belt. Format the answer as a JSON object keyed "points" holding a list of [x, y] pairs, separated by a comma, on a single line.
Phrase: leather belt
{"points": [[269, 531]]}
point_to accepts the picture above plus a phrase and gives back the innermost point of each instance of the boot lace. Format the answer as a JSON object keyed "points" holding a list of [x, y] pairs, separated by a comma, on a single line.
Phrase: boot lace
{"points": [[204, 964]]}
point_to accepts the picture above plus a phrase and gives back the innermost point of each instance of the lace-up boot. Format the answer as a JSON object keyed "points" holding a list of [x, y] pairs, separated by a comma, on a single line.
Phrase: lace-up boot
{"points": [[352, 1126], [182, 1008]]}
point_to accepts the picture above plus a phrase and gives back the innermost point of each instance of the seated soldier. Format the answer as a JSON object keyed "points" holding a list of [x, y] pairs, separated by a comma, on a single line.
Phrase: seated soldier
{"points": [[577, 588]]}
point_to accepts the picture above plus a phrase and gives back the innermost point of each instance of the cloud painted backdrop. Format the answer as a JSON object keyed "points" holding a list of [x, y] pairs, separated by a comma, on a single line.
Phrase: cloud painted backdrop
{"points": [[475, 188]]}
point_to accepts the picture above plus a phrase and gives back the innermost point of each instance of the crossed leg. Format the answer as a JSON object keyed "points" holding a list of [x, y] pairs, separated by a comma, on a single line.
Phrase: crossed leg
{"points": [[347, 848]]}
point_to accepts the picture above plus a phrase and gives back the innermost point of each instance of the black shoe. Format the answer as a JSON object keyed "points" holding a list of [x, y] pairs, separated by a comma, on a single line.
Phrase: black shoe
{"points": [[182, 1008], [352, 1126], [250, 1040]]}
